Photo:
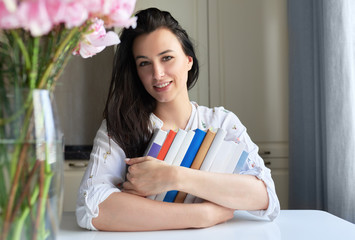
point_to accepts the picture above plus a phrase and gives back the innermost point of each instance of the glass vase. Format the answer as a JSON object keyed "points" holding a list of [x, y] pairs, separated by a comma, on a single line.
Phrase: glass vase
{"points": [[31, 165]]}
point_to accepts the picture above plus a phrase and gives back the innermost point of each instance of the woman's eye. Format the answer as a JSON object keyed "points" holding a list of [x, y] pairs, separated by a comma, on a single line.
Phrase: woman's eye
{"points": [[142, 64], [167, 58]]}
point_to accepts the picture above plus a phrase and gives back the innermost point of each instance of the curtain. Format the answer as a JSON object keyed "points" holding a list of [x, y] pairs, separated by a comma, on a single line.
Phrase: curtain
{"points": [[322, 106]]}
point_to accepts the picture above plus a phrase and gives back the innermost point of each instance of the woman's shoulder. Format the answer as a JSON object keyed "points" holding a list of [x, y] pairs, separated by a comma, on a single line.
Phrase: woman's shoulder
{"points": [[219, 111]]}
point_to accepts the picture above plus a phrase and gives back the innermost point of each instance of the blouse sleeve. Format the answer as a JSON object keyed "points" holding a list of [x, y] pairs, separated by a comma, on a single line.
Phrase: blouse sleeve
{"points": [[105, 171], [254, 165]]}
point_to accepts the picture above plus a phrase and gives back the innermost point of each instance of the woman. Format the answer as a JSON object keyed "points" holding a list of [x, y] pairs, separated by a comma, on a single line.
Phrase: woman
{"points": [[154, 67]]}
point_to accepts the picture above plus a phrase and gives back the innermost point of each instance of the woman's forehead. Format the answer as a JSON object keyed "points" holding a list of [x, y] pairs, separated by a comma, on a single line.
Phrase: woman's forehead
{"points": [[156, 42]]}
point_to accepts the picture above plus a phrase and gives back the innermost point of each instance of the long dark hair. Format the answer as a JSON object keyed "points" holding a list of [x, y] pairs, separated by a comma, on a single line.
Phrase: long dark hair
{"points": [[129, 105]]}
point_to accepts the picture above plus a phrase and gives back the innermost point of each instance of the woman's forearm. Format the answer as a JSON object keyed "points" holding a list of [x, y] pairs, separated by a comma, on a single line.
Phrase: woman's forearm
{"points": [[129, 212], [243, 192]]}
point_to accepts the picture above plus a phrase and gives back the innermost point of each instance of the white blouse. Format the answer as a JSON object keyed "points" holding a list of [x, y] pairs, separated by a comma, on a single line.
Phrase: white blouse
{"points": [[106, 168]]}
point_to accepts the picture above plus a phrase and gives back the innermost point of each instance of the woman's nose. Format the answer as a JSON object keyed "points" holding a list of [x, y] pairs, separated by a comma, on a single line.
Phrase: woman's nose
{"points": [[158, 71]]}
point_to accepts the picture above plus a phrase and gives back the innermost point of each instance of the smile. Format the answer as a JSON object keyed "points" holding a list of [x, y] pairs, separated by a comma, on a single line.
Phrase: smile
{"points": [[162, 85]]}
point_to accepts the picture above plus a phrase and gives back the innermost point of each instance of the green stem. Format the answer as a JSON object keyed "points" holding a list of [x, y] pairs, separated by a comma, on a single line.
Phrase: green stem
{"points": [[57, 54], [25, 212], [4, 121], [41, 199], [23, 49], [34, 68]]}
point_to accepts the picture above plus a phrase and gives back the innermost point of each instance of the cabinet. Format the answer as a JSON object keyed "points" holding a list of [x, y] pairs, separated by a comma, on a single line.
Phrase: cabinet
{"points": [[248, 74], [73, 173], [275, 156]]}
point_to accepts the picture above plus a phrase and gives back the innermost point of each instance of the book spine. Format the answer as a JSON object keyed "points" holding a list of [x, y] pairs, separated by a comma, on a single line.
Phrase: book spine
{"points": [[197, 162], [164, 149], [179, 157], [193, 148], [212, 151], [188, 158], [156, 143], [183, 148], [154, 147], [202, 152], [175, 145]]}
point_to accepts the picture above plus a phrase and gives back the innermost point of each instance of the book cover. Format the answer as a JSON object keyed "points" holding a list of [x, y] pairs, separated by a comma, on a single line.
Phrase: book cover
{"points": [[197, 162], [175, 146], [155, 143], [168, 140], [188, 158], [179, 157]]}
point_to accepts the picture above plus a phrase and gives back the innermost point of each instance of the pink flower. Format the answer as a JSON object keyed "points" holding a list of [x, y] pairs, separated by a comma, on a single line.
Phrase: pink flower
{"points": [[34, 17], [116, 12], [96, 40], [71, 12], [8, 20]]}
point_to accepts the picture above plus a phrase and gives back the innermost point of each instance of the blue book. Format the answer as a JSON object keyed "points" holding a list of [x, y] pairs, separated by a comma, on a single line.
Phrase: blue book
{"points": [[188, 159]]}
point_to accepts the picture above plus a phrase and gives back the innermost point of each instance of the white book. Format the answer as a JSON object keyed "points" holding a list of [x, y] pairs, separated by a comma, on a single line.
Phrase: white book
{"points": [[212, 151], [227, 158], [155, 143], [175, 146], [179, 157], [235, 157]]}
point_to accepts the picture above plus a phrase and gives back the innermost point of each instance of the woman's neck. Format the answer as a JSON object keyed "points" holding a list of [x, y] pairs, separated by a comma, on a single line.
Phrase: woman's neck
{"points": [[174, 114]]}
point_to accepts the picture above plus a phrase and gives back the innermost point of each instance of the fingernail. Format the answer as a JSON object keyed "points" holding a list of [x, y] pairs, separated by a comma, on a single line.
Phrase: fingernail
{"points": [[127, 160]]}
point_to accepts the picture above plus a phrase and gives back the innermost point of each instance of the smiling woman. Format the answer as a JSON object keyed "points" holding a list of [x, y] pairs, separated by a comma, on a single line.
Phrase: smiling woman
{"points": [[163, 67], [154, 68]]}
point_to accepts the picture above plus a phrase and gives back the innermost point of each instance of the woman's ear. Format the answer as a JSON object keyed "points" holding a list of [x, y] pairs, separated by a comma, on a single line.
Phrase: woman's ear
{"points": [[190, 62]]}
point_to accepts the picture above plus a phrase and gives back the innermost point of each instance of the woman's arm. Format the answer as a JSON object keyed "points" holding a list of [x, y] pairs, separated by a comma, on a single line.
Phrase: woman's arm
{"points": [[127, 212], [148, 176]]}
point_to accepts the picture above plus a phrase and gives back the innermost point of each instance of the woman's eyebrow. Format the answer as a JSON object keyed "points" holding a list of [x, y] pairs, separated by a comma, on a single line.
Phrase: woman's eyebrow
{"points": [[159, 54]]}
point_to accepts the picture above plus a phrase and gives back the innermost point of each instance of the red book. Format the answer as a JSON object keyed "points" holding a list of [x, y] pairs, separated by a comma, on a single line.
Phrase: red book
{"points": [[164, 149]]}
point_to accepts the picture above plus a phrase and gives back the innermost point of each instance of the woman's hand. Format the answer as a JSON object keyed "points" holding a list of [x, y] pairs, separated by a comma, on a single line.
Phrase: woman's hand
{"points": [[148, 176]]}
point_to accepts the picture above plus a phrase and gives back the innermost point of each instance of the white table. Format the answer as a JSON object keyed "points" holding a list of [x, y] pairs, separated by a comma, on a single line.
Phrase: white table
{"points": [[290, 224]]}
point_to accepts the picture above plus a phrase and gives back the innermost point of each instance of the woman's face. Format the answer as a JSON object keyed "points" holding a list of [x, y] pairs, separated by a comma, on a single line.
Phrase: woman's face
{"points": [[162, 65]]}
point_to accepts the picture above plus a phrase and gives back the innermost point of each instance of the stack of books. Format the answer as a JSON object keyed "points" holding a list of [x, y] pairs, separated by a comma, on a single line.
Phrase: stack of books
{"points": [[196, 149]]}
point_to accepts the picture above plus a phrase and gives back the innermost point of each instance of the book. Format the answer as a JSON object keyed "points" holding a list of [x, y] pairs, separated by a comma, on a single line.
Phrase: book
{"points": [[188, 158], [155, 143], [179, 156], [197, 162], [227, 158], [243, 158], [230, 159], [183, 148], [207, 151], [212, 151], [165, 147], [175, 145]]}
